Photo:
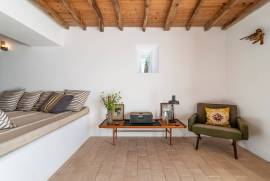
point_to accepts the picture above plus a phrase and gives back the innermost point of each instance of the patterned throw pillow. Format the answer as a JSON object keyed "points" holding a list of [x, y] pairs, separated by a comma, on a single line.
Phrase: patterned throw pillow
{"points": [[5, 122], [57, 103], [79, 99], [218, 117], [28, 100], [10, 99], [62, 105], [42, 99]]}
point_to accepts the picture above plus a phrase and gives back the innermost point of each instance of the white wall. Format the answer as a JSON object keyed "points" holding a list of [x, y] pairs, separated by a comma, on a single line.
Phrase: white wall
{"points": [[248, 78], [192, 66]]}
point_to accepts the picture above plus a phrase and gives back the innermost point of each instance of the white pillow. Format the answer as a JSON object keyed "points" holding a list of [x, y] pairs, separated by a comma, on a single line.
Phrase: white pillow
{"points": [[5, 122]]}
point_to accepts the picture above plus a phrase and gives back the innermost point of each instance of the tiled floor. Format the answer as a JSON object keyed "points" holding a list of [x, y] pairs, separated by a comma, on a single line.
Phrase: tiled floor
{"points": [[152, 159]]}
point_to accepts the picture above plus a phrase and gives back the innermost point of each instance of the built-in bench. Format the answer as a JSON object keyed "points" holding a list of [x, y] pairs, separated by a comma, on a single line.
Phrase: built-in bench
{"points": [[32, 125], [40, 143]]}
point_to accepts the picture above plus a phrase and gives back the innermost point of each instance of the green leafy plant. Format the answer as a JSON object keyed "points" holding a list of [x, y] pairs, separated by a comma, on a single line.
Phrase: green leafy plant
{"points": [[110, 100]]}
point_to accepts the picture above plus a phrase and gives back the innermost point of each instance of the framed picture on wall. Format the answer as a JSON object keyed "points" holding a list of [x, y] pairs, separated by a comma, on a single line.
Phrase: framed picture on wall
{"points": [[166, 111], [119, 112]]}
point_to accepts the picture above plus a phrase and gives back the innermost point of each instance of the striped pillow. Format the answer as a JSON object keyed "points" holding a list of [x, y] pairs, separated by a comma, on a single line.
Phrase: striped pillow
{"points": [[28, 100], [10, 99], [79, 98], [62, 104], [5, 122], [51, 102], [42, 99]]}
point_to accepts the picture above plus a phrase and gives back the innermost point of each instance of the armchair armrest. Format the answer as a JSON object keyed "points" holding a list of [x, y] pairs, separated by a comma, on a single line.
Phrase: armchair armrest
{"points": [[242, 125], [192, 120]]}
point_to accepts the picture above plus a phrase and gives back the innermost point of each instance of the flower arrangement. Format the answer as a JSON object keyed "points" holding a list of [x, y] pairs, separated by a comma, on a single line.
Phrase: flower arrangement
{"points": [[110, 100]]}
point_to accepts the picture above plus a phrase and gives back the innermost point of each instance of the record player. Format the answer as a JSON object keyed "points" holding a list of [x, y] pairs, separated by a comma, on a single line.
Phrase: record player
{"points": [[141, 118]]}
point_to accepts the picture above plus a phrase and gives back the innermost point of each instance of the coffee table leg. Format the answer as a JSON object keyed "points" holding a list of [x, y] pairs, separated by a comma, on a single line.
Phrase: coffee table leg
{"points": [[116, 133], [166, 133], [170, 136], [113, 136]]}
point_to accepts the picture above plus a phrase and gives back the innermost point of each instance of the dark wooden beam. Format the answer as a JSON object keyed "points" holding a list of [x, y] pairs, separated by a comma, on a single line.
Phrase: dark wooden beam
{"points": [[44, 5], [171, 14], [222, 11], [117, 9], [81, 18], [193, 14], [74, 13], [146, 12], [251, 7], [95, 6]]}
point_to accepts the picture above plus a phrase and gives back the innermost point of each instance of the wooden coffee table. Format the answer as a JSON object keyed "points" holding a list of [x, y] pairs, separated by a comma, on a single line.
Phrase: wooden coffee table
{"points": [[158, 127]]}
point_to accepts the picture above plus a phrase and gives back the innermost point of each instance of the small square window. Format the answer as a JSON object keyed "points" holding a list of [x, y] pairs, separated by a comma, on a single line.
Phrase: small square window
{"points": [[147, 58]]}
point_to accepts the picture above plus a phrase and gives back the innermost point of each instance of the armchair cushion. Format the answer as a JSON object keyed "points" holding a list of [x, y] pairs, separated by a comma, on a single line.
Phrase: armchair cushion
{"points": [[217, 131], [242, 125], [202, 113]]}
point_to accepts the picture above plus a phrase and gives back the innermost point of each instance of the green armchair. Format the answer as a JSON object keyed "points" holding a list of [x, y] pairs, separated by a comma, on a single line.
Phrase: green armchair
{"points": [[237, 131]]}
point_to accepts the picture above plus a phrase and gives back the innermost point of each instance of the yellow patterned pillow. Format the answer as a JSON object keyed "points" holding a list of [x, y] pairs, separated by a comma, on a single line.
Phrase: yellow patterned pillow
{"points": [[218, 117]]}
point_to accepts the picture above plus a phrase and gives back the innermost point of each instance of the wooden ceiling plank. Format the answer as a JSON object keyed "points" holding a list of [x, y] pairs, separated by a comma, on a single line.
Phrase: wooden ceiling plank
{"points": [[244, 13], [74, 13], [138, 13], [117, 9], [171, 14], [222, 11], [44, 5], [95, 6], [146, 14], [193, 14]]}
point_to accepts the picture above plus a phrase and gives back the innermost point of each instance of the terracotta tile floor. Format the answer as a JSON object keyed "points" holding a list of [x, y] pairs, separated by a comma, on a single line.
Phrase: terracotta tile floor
{"points": [[152, 159]]}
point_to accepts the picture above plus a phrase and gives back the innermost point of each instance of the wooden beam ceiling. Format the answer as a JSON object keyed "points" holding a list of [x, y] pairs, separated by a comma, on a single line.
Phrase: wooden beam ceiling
{"points": [[74, 13], [44, 5], [171, 14], [146, 12], [149, 13], [249, 8], [117, 9], [94, 4], [222, 11], [193, 14]]}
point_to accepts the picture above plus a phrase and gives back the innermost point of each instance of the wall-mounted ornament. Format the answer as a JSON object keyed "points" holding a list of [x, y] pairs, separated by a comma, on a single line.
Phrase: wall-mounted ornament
{"points": [[256, 37], [3, 46]]}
